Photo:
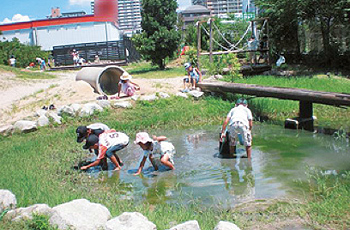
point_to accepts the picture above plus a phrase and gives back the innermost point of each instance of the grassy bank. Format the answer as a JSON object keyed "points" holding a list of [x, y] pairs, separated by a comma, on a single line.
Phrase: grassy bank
{"points": [[37, 168], [25, 74]]}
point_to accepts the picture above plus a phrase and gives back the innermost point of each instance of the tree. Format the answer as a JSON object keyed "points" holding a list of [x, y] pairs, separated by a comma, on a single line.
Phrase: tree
{"points": [[159, 38]]}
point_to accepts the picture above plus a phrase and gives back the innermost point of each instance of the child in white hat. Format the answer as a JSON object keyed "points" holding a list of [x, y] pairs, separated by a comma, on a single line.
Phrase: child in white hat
{"points": [[126, 86], [156, 146]]}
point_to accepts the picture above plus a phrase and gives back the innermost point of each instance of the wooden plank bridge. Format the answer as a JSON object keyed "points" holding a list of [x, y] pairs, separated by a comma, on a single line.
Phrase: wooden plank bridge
{"points": [[305, 97]]}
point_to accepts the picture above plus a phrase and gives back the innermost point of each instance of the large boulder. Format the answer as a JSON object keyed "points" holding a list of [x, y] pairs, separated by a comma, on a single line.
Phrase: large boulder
{"points": [[6, 130], [89, 109], [80, 215], [43, 121], [27, 213], [8, 200], [163, 95], [41, 112], [130, 221], [104, 103], [224, 225], [189, 225], [76, 107], [180, 94], [24, 126], [195, 93]]}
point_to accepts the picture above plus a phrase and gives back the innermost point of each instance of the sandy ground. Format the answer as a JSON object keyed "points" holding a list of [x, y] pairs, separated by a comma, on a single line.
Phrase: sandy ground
{"points": [[21, 98]]}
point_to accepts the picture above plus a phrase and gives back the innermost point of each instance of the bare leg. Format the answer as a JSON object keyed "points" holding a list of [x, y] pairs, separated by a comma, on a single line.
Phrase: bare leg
{"points": [[118, 159], [249, 151], [104, 164], [114, 160], [165, 161]]}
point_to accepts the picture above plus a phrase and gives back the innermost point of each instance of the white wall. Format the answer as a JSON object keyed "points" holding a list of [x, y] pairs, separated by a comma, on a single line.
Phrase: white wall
{"points": [[50, 36]]}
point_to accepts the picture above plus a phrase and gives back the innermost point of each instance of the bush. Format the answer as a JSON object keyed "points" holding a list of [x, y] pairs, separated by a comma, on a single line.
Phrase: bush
{"points": [[24, 54], [225, 61]]}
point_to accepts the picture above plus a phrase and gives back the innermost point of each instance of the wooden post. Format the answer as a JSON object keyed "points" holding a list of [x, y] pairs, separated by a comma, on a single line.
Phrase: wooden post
{"points": [[198, 42], [211, 41], [305, 115]]}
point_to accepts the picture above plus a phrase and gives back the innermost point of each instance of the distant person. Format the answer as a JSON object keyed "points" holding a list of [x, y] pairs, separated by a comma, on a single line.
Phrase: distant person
{"points": [[12, 61], [157, 145], [97, 59], [126, 86], [41, 63], [263, 48], [239, 121], [194, 76], [281, 60], [75, 55], [107, 144], [81, 61], [252, 47]]}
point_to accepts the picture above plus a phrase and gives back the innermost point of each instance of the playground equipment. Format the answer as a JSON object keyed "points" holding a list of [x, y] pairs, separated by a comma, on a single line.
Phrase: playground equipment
{"points": [[104, 80]]}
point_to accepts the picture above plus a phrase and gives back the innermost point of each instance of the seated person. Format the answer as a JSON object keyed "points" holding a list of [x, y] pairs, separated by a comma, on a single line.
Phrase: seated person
{"points": [[194, 76], [126, 86]]}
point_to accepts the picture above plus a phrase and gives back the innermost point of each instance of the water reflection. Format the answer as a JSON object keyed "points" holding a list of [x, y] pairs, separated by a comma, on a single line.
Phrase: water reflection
{"points": [[279, 157]]}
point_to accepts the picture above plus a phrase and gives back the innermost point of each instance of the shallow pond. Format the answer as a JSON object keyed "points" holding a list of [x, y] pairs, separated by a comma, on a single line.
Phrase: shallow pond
{"points": [[280, 158]]}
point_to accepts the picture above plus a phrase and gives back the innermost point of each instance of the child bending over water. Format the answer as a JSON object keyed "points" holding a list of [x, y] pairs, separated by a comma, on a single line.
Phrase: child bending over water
{"points": [[156, 146]]}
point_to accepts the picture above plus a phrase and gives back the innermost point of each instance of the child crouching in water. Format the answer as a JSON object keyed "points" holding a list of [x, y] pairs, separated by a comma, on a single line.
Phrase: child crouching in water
{"points": [[156, 146], [126, 86]]}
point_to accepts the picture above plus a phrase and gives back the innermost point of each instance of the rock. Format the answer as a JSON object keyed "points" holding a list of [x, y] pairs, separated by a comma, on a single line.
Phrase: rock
{"points": [[27, 213], [89, 109], [7, 200], [24, 126], [163, 95], [130, 221], [6, 130], [104, 103], [152, 97], [66, 109], [135, 97], [180, 94], [80, 215], [225, 225], [76, 107], [195, 93], [122, 104], [226, 71], [57, 119], [41, 112], [43, 121], [189, 225]]}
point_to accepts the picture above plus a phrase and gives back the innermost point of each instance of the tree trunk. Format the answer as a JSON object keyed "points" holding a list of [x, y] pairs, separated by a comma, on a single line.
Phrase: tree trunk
{"points": [[325, 30]]}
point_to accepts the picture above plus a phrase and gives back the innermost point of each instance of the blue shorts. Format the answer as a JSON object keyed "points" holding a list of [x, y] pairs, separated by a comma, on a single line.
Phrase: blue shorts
{"points": [[115, 148], [187, 80]]}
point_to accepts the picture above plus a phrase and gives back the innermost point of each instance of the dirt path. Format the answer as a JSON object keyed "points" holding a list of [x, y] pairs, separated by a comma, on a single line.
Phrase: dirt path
{"points": [[21, 98]]}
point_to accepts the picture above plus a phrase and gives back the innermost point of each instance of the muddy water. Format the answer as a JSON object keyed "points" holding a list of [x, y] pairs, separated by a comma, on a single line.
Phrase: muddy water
{"points": [[280, 159]]}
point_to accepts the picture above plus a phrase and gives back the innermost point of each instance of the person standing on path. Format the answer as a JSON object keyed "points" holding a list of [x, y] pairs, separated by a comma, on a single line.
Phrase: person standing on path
{"points": [[239, 120], [12, 61]]}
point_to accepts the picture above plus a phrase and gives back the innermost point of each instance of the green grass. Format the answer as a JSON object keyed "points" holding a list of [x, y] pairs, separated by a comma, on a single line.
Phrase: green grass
{"points": [[146, 71], [26, 74]]}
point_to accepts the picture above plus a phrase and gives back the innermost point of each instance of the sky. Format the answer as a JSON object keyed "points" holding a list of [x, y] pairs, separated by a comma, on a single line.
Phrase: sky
{"points": [[26, 10]]}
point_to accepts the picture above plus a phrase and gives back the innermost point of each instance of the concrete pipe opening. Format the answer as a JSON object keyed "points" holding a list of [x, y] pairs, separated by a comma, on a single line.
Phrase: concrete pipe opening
{"points": [[104, 80]]}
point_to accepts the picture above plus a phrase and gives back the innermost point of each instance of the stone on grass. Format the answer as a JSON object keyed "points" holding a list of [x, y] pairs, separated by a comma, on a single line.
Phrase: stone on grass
{"points": [[43, 121], [122, 104], [24, 126], [6, 130], [189, 225], [195, 93], [57, 119], [180, 94], [66, 109], [89, 109], [225, 225], [152, 97], [41, 112], [7, 200], [80, 215], [104, 103], [27, 213], [135, 97], [130, 221], [76, 107], [163, 95]]}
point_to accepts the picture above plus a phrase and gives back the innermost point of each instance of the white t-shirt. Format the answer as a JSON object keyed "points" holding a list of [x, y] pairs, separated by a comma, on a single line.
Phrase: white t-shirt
{"points": [[240, 113], [98, 126], [160, 148], [12, 61], [110, 138]]}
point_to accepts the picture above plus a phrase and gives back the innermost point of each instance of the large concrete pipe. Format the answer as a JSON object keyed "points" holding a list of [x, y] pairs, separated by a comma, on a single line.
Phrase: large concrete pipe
{"points": [[104, 80]]}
